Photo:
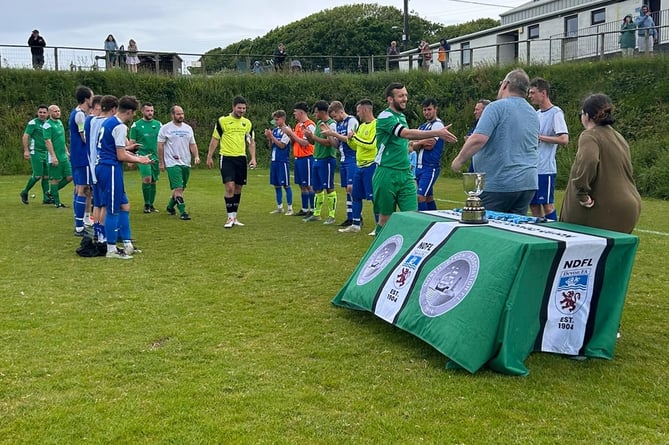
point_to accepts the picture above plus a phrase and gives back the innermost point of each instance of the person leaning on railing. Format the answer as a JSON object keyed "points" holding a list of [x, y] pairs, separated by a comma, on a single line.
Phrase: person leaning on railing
{"points": [[647, 32], [627, 36], [37, 43]]}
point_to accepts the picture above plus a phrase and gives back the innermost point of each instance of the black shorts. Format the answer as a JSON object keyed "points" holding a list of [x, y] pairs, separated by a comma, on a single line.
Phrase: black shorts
{"points": [[233, 169]]}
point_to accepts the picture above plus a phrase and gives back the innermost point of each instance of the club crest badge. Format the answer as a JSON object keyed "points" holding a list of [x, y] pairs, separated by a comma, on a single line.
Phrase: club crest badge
{"points": [[449, 283], [379, 259], [571, 293]]}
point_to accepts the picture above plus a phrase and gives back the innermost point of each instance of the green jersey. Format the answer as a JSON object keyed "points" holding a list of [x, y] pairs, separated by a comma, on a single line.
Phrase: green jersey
{"points": [[36, 135], [146, 133], [393, 150], [323, 151], [54, 130]]}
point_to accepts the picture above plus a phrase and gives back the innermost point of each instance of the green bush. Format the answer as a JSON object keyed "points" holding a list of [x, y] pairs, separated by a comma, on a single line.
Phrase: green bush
{"points": [[640, 98]]}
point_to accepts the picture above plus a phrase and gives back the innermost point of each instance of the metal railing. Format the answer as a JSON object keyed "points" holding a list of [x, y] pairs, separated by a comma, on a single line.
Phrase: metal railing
{"points": [[90, 59], [597, 41]]}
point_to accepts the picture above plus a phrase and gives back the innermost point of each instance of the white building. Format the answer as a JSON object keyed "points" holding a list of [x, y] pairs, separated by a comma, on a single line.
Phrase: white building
{"points": [[547, 31]]}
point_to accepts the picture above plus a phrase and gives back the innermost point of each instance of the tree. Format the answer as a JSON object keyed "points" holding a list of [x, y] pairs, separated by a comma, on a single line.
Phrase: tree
{"points": [[345, 36]]}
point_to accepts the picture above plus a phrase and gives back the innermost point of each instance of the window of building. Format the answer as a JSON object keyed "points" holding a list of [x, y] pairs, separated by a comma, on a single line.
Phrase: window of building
{"points": [[598, 16], [533, 32], [466, 54], [571, 26]]}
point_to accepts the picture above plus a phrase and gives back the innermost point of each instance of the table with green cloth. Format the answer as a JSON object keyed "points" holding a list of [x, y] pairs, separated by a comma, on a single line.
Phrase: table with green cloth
{"points": [[490, 294]]}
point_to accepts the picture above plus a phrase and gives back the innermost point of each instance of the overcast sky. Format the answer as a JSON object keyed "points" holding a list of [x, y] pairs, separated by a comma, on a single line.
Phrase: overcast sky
{"points": [[197, 26]]}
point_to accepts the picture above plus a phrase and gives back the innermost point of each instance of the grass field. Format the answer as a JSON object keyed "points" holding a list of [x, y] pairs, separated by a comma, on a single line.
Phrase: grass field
{"points": [[229, 336]]}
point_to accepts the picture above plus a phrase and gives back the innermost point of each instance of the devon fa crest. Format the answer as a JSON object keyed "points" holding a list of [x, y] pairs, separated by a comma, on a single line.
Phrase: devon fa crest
{"points": [[571, 293]]}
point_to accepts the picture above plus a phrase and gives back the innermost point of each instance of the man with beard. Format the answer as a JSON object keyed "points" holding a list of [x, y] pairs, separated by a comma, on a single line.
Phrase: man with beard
{"points": [[176, 144], [145, 133], [233, 134], [393, 183], [35, 151]]}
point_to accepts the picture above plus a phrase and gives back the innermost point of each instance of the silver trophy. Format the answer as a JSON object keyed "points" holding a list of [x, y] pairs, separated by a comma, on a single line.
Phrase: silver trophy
{"points": [[473, 212]]}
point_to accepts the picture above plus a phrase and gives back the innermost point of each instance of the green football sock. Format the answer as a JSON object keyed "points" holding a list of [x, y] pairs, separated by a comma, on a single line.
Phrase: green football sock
{"points": [[54, 194], [31, 182], [146, 192], [152, 195], [45, 189]]}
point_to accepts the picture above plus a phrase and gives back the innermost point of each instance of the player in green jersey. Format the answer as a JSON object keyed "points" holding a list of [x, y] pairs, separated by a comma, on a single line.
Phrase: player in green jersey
{"points": [[60, 170], [145, 132], [393, 183], [35, 151]]}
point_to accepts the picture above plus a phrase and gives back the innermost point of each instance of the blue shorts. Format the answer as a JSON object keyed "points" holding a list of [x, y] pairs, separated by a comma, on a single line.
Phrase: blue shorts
{"points": [[111, 188], [324, 170], [347, 173], [362, 183], [546, 192], [426, 177], [279, 174], [81, 175], [303, 171]]}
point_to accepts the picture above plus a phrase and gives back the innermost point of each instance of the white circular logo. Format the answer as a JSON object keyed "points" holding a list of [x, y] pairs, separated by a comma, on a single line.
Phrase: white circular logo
{"points": [[378, 260], [449, 283]]}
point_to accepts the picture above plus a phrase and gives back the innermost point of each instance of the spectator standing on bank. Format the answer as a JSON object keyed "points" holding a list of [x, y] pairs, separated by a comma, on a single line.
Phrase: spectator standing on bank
{"points": [[111, 48], [627, 36], [442, 57], [393, 53], [37, 43], [647, 32], [425, 54], [132, 60], [279, 58]]}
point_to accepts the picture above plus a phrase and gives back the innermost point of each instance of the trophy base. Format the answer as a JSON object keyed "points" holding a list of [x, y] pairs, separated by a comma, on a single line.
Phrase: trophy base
{"points": [[473, 216], [474, 221]]}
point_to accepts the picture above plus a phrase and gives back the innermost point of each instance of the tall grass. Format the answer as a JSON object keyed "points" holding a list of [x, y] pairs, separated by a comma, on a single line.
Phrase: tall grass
{"points": [[639, 94]]}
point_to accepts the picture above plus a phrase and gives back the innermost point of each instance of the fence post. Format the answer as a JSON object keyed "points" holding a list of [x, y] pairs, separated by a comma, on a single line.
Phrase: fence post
{"points": [[527, 56], [55, 58], [331, 65], [202, 65], [601, 46]]}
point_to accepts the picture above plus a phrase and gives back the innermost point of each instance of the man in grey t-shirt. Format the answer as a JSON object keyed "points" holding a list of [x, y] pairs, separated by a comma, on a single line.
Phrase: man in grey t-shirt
{"points": [[504, 147]]}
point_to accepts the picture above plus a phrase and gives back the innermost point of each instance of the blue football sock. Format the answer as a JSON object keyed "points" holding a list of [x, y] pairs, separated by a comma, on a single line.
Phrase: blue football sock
{"points": [[79, 210], [124, 225], [277, 192]]}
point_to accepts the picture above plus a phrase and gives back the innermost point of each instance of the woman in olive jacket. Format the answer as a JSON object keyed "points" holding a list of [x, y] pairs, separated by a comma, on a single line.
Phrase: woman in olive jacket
{"points": [[601, 191]]}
